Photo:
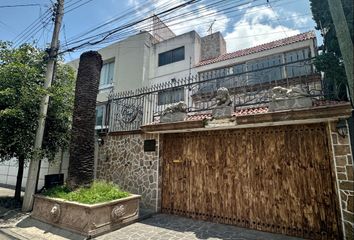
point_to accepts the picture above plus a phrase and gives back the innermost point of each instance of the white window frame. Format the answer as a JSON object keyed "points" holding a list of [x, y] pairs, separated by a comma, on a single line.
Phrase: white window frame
{"points": [[103, 71]]}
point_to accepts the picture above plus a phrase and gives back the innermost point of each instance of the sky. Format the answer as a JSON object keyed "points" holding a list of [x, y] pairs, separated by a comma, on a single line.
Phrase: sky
{"points": [[243, 23]]}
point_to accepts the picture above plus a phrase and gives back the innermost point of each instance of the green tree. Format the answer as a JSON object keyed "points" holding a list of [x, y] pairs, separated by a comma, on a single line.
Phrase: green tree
{"points": [[330, 61], [22, 73]]}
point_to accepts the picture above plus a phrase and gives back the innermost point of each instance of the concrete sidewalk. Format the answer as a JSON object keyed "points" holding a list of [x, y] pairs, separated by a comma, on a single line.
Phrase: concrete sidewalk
{"points": [[17, 225], [20, 226]]}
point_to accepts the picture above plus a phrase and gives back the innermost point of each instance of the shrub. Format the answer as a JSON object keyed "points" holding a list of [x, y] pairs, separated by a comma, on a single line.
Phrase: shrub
{"points": [[98, 192]]}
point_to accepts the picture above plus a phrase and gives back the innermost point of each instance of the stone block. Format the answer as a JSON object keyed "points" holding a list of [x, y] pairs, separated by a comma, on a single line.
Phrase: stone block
{"points": [[290, 103], [349, 231], [350, 172], [222, 112], [173, 117], [343, 196], [348, 216], [341, 150], [341, 161], [350, 204], [342, 176], [349, 159], [346, 185], [343, 140], [335, 138]]}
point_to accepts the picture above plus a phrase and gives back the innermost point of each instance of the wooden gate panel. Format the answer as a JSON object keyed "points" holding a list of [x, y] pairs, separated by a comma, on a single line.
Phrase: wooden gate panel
{"points": [[273, 179]]}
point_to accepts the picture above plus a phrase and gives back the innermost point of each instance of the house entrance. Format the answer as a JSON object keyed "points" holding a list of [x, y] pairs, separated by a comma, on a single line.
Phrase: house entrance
{"points": [[275, 179]]}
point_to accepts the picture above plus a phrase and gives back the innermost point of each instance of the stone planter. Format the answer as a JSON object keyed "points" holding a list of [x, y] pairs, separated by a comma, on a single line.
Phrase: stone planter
{"points": [[86, 219]]}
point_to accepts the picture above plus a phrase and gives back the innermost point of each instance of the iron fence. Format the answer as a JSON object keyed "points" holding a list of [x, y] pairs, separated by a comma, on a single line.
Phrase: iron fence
{"points": [[127, 111]]}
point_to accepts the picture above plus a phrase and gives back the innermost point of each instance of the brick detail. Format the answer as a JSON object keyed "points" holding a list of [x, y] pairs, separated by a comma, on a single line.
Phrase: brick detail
{"points": [[342, 157]]}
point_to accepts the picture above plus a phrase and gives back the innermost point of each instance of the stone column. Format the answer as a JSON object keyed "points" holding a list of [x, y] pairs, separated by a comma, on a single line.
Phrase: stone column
{"points": [[343, 163]]}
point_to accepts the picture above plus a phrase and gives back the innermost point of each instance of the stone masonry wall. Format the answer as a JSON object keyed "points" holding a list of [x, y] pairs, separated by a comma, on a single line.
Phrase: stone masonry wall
{"points": [[122, 160], [343, 164]]}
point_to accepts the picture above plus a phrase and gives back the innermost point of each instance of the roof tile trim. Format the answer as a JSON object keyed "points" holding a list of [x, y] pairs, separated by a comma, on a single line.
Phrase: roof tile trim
{"points": [[259, 48]]}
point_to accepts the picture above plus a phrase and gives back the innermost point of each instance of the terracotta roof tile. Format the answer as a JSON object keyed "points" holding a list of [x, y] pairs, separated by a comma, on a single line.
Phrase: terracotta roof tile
{"points": [[278, 43], [198, 117], [250, 111]]}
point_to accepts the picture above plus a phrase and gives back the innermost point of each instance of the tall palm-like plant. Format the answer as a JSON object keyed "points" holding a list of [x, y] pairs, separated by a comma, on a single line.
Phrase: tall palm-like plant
{"points": [[81, 165]]}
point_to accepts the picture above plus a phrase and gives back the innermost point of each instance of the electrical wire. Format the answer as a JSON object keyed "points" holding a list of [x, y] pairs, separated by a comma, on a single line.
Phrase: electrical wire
{"points": [[20, 5], [29, 30], [130, 25], [181, 16]]}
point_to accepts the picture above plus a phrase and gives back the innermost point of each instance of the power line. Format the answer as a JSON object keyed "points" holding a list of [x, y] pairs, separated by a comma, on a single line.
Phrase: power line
{"points": [[270, 6], [127, 32], [20, 5], [180, 16], [161, 15], [130, 25], [41, 22], [32, 27], [72, 9]]}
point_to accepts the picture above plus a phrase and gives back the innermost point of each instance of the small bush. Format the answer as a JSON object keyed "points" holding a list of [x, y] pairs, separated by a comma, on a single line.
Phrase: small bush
{"points": [[98, 192]]}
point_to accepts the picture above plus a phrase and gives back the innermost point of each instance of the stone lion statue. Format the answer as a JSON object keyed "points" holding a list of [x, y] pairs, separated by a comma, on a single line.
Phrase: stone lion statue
{"points": [[223, 97], [55, 213], [282, 93], [176, 107]]}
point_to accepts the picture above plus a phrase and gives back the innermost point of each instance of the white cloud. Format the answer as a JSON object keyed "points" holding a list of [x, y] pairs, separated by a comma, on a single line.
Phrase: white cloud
{"points": [[300, 20], [252, 30]]}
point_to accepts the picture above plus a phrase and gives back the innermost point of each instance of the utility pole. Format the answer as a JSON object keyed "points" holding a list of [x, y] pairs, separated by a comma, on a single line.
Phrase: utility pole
{"points": [[344, 40], [34, 164]]}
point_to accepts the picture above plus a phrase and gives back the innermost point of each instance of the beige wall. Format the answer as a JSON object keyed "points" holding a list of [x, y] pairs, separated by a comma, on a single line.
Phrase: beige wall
{"points": [[131, 60], [180, 69]]}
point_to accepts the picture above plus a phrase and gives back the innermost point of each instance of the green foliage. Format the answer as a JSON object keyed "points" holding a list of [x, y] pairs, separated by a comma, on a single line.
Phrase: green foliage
{"points": [[330, 61], [334, 70], [98, 192], [323, 19], [22, 74]]}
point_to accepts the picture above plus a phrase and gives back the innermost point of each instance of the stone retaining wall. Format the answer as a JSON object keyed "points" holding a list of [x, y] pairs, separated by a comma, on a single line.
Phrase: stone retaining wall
{"points": [[343, 163], [122, 160]]}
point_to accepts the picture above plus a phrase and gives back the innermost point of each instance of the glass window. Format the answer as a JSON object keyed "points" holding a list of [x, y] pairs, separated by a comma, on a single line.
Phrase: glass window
{"points": [[171, 56], [178, 54], [100, 113], [299, 68], [106, 78], [170, 96]]}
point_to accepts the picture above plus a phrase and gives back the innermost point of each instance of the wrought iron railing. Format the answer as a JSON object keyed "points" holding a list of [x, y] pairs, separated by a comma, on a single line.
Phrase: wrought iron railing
{"points": [[127, 111]]}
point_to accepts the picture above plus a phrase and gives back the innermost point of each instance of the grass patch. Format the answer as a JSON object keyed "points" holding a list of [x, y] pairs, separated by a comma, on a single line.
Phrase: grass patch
{"points": [[98, 192]]}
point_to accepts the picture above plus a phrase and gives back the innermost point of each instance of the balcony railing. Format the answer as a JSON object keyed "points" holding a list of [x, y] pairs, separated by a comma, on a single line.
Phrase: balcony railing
{"points": [[127, 111]]}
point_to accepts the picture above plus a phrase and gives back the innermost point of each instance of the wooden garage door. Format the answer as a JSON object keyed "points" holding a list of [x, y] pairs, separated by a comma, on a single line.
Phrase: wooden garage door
{"points": [[275, 179]]}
